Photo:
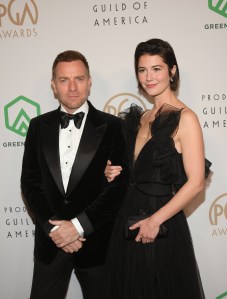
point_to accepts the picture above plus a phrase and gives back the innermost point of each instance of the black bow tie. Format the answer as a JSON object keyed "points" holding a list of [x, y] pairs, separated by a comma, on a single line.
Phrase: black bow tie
{"points": [[66, 117]]}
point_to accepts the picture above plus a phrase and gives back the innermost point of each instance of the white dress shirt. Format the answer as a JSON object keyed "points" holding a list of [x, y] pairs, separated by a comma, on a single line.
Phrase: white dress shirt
{"points": [[69, 139]]}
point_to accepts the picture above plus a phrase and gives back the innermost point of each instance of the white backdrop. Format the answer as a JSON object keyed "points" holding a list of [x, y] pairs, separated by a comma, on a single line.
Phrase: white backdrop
{"points": [[33, 32]]}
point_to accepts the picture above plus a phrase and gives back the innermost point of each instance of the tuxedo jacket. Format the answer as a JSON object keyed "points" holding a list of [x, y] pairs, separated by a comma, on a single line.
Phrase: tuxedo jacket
{"points": [[89, 196]]}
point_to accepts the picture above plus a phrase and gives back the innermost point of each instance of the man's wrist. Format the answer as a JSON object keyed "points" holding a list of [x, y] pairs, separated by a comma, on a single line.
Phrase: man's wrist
{"points": [[78, 226]]}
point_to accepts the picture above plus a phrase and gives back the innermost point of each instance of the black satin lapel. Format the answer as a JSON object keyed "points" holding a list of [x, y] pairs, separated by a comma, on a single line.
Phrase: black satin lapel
{"points": [[89, 144], [50, 142]]}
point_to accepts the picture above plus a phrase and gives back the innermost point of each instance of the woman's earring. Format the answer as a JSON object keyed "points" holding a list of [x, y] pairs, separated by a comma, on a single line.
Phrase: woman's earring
{"points": [[171, 79]]}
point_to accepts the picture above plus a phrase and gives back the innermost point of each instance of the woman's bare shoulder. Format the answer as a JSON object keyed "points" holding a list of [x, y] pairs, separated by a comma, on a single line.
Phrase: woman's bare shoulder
{"points": [[189, 121], [187, 114]]}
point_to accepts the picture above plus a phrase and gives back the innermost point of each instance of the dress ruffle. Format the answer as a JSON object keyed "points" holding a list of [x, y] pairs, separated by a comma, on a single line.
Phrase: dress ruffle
{"points": [[131, 116], [164, 153]]}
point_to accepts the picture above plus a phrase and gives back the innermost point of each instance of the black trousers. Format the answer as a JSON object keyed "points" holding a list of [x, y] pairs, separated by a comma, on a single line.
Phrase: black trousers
{"points": [[52, 281]]}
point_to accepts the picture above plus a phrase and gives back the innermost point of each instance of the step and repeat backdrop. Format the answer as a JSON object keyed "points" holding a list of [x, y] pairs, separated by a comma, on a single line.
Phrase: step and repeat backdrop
{"points": [[33, 32]]}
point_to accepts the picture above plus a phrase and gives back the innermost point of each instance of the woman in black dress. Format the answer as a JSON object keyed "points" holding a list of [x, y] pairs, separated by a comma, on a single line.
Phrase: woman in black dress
{"points": [[167, 161]]}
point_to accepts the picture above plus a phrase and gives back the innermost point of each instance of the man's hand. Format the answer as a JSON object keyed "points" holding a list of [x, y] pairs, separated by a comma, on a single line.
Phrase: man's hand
{"points": [[75, 246], [65, 234]]}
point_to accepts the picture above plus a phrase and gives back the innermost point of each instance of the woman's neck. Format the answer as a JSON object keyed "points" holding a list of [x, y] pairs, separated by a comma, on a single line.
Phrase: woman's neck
{"points": [[164, 98]]}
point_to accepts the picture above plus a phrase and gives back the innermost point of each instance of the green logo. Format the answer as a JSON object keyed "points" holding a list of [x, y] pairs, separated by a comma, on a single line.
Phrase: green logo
{"points": [[18, 114], [219, 6], [224, 295]]}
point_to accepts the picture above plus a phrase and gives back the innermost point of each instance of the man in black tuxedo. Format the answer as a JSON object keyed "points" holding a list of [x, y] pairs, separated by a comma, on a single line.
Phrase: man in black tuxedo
{"points": [[64, 186]]}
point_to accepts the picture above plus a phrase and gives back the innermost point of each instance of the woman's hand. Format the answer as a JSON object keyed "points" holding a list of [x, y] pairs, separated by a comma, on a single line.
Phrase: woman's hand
{"points": [[111, 171], [148, 230]]}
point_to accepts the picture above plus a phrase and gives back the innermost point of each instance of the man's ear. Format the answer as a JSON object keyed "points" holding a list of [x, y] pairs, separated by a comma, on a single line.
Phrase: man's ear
{"points": [[90, 81], [53, 86], [90, 84]]}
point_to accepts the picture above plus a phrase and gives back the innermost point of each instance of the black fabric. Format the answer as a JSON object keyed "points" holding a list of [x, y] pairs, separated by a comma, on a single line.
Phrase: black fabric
{"points": [[90, 280], [52, 281], [165, 268]]}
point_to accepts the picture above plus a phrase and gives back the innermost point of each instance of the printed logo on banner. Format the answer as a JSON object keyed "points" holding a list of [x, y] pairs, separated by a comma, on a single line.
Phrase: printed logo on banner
{"points": [[17, 19], [214, 111], [125, 13], [224, 295], [18, 114], [218, 6], [218, 216], [18, 224], [122, 101]]}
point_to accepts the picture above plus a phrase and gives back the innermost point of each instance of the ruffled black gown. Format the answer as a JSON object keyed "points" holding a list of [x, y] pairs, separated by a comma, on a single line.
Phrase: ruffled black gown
{"points": [[166, 268]]}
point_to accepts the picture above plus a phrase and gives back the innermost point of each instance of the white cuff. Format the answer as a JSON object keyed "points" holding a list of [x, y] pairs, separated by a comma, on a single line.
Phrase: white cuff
{"points": [[78, 226], [54, 228]]}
